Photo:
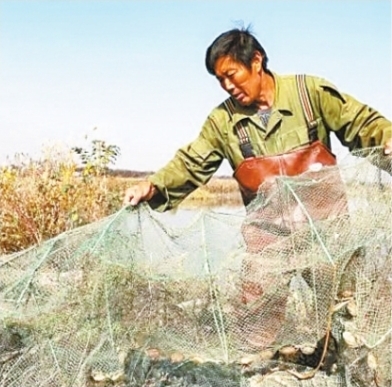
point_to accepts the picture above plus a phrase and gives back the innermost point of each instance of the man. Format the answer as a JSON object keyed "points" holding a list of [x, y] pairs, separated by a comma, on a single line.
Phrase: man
{"points": [[271, 125], [264, 116]]}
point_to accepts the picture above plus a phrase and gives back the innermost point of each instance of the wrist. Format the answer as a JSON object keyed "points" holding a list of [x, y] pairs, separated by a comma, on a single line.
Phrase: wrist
{"points": [[152, 191]]}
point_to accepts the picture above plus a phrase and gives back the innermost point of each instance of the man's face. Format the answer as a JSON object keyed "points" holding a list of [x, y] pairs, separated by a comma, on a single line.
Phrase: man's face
{"points": [[241, 83]]}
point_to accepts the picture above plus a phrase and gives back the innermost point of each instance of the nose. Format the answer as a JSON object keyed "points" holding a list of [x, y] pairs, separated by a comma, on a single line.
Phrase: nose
{"points": [[227, 85]]}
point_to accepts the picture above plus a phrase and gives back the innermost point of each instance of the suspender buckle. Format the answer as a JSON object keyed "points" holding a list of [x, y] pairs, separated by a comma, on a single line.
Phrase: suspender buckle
{"points": [[312, 124], [247, 150]]}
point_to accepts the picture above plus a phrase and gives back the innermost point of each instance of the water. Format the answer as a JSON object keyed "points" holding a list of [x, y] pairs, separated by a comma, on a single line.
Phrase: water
{"points": [[183, 217], [193, 238]]}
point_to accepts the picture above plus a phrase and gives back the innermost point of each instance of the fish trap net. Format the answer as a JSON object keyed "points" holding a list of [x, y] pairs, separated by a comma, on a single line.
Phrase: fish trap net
{"points": [[295, 291]]}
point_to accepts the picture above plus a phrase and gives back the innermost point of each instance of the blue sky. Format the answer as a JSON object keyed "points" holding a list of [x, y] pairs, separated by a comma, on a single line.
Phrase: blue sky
{"points": [[134, 69]]}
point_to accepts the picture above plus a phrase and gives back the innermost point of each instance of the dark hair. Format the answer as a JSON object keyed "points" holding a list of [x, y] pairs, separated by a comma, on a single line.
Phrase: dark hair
{"points": [[237, 43]]}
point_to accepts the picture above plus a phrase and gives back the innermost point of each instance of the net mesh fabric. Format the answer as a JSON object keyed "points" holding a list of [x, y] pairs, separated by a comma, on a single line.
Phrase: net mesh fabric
{"points": [[296, 291]]}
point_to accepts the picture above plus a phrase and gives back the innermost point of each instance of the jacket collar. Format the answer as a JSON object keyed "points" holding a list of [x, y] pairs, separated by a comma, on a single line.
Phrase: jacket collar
{"points": [[280, 107]]}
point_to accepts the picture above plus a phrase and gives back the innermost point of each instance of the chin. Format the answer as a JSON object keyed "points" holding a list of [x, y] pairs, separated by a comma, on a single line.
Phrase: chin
{"points": [[245, 103]]}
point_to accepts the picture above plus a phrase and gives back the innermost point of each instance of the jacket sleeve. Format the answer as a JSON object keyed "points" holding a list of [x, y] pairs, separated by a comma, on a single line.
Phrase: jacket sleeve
{"points": [[192, 166], [356, 125]]}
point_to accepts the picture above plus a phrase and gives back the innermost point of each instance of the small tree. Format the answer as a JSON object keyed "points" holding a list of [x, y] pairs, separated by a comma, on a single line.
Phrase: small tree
{"points": [[97, 160]]}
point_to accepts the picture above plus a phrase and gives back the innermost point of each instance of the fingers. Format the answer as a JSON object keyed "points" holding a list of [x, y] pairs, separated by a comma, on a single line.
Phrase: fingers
{"points": [[140, 192], [388, 148], [134, 201], [132, 196]]}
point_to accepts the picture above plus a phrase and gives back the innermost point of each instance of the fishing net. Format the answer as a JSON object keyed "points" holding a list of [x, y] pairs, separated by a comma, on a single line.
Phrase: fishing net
{"points": [[295, 291]]}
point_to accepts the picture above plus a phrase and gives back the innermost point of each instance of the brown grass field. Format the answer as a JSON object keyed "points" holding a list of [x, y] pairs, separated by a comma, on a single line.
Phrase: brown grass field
{"points": [[39, 200]]}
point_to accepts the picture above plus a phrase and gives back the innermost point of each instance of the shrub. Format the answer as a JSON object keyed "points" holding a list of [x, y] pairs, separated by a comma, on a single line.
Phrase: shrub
{"points": [[41, 199]]}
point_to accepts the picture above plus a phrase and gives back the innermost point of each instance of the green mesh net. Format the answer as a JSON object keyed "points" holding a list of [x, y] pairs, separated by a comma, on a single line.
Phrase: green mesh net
{"points": [[295, 291]]}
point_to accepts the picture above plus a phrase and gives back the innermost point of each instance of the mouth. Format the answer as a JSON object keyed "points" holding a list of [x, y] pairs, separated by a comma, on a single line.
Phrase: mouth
{"points": [[239, 96]]}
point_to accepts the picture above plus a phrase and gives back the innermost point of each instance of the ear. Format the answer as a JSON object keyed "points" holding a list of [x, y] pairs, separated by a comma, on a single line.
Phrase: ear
{"points": [[257, 62]]}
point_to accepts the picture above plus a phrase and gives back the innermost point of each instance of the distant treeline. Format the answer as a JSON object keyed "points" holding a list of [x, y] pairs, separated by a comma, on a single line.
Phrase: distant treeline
{"points": [[141, 174], [128, 173]]}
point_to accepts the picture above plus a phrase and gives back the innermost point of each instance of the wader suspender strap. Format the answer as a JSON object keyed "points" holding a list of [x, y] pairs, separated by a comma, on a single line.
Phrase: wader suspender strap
{"points": [[246, 146], [307, 108]]}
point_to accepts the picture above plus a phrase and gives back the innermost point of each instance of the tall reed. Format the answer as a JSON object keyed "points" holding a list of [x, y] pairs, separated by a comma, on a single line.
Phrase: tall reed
{"points": [[40, 199]]}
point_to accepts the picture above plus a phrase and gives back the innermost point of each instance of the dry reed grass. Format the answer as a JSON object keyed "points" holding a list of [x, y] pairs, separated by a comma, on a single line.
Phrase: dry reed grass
{"points": [[41, 199]]}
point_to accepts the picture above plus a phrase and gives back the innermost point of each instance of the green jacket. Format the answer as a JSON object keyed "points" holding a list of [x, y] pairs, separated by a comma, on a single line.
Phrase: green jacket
{"points": [[356, 125]]}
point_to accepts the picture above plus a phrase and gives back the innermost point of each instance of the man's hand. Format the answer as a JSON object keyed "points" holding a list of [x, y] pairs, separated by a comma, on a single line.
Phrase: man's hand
{"points": [[140, 192], [388, 147]]}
